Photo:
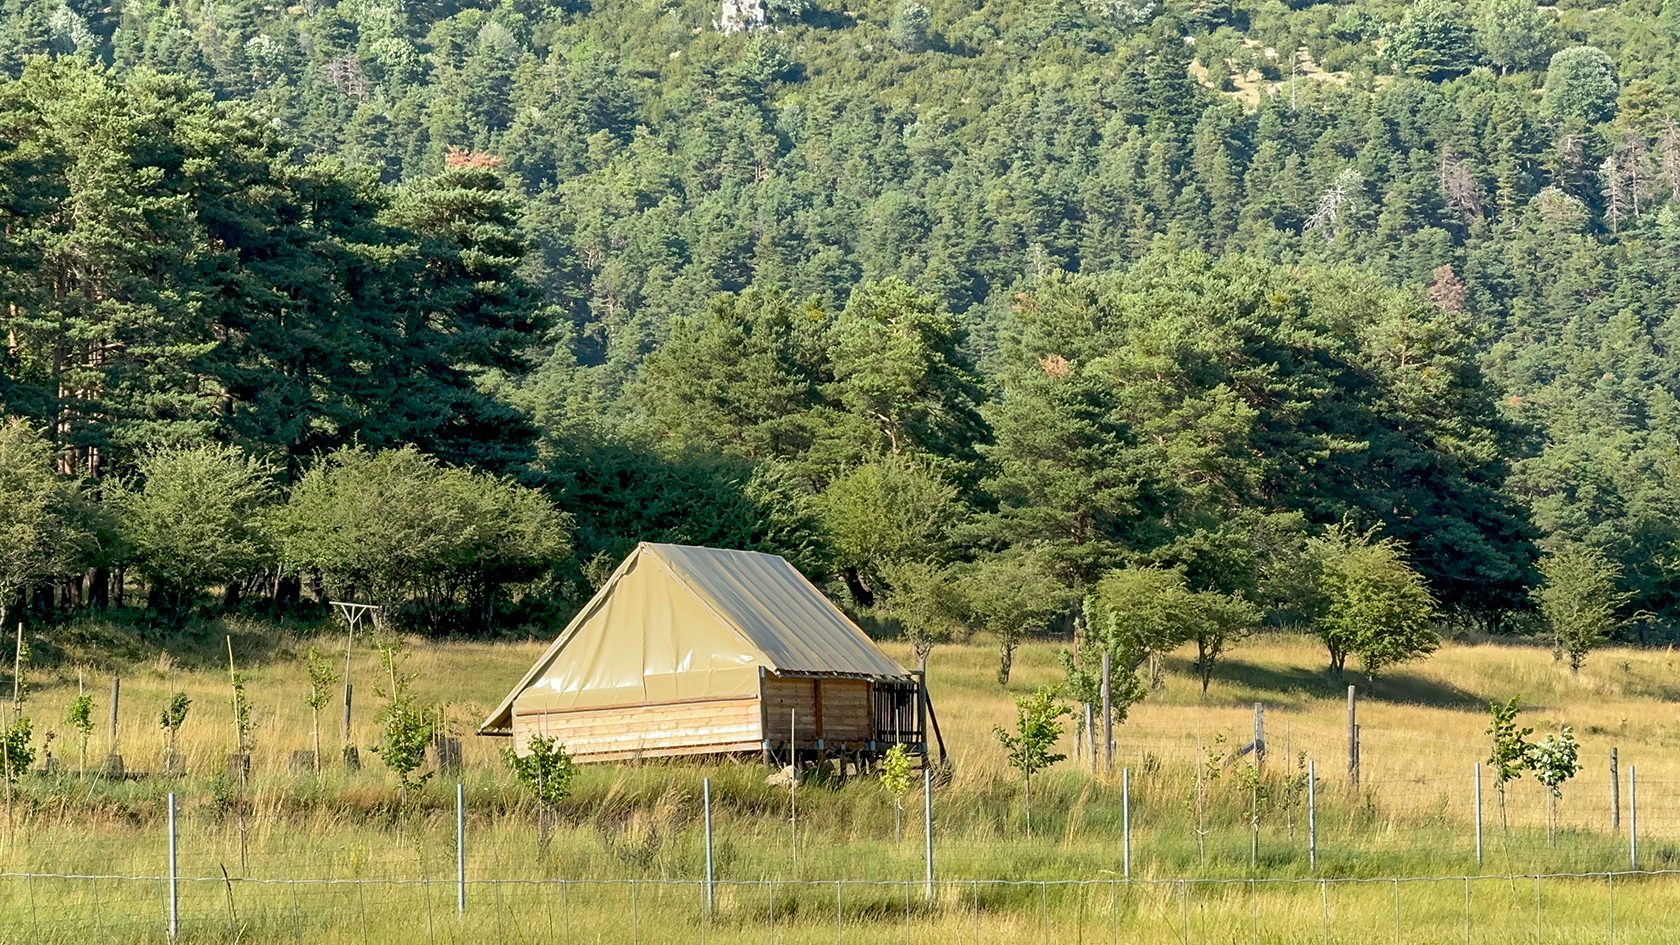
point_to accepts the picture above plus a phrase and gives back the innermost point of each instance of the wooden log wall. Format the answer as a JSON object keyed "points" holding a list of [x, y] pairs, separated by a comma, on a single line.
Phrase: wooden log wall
{"points": [[838, 711], [622, 733]]}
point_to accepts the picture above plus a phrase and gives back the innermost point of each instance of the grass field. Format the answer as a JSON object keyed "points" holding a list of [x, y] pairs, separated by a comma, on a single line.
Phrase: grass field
{"points": [[384, 873]]}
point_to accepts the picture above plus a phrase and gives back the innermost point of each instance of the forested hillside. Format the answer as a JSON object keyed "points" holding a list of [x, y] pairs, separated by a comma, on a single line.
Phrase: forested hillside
{"points": [[975, 311]]}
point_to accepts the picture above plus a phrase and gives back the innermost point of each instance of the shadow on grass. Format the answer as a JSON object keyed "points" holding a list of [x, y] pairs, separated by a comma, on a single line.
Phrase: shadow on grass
{"points": [[119, 638], [1399, 687]]}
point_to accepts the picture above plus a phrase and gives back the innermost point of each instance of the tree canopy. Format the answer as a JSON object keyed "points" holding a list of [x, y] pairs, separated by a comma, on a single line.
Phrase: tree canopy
{"points": [[954, 306]]}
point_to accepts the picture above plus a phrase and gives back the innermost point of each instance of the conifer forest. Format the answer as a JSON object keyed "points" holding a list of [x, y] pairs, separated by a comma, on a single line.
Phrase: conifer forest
{"points": [[1166, 320]]}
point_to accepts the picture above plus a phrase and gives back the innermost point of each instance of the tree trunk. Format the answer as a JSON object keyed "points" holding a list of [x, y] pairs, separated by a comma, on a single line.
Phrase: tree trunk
{"points": [[287, 590], [99, 587], [861, 594]]}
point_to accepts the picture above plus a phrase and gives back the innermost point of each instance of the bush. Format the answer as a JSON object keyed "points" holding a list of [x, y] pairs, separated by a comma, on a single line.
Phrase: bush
{"points": [[197, 518], [397, 528]]}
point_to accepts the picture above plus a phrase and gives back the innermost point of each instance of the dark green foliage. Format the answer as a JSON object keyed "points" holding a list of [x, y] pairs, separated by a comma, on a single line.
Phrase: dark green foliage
{"points": [[1121, 312], [1433, 41]]}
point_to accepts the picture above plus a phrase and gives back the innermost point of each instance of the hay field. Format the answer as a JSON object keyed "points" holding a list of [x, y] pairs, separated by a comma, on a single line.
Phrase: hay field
{"points": [[1422, 733]]}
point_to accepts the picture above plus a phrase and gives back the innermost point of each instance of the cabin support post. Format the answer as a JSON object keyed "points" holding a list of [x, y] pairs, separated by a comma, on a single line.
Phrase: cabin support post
{"points": [[921, 703], [816, 713], [763, 717]]}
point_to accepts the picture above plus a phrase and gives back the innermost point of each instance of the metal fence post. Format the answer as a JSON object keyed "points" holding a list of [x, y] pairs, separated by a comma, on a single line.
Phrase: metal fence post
{"points": [[1633, 818], [927, 826], [1312, 815], [1126, 820], [174, 877], [460, 848], [1478, 786], [711, 889]]}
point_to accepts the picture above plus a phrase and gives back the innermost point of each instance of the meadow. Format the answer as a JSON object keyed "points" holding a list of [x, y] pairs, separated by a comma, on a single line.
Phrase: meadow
{"points": [[292, 855]]}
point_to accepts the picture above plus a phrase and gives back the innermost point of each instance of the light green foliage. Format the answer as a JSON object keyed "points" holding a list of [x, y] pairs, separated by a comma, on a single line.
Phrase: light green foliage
{"points": [[1581, 86], [1512, 751], [17, 749], [1554, 759], [926, 601], [1029, 747], [1136, 612], [909, 26], [79, 716], [323, 676], [396, 526], [895, 777], [1371, 603], [546, 770], [406, 726], [1516, 34], [173, 716], [1013, 597], [197, 517], [882, 513], [243, 722], [1580, 600]]}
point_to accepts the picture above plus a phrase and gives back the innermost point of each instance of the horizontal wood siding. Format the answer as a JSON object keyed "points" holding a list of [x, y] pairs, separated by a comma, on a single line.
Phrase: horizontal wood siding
{"points": [[845, 710], [844, 719], [649, 731]]}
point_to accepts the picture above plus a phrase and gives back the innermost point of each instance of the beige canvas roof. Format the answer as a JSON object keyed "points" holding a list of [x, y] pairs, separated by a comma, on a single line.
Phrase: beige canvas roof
{"points": [[677, 623]]}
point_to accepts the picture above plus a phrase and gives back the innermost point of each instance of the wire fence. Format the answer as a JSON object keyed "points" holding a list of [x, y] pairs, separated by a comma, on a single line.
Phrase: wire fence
{"points": [[1181, 843], [1597, 907]]}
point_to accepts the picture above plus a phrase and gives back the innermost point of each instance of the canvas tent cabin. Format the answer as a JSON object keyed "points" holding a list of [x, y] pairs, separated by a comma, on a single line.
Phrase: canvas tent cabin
{"points": [[688, 651]]}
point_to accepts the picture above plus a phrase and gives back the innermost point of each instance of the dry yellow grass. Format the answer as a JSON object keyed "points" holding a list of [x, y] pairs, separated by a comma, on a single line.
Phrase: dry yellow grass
{"points": [[1423, 732], [1422, 726]]}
